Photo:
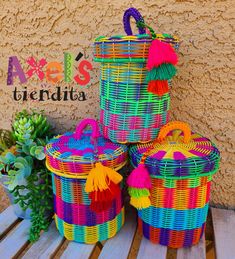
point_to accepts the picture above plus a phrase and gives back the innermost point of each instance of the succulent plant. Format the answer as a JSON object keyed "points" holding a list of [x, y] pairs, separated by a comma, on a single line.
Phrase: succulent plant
{"points": [[23, 161], [30, 125], [39, 199], [31, 148], [18, 169]]}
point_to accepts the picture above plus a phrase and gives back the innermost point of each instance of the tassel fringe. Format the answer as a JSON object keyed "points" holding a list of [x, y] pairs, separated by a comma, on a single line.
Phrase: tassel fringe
{"points": [[139, 183], [163, 72], [136, 193], [140, 203], [159, 53], [158, 87], [99, 177], [103, 187]]}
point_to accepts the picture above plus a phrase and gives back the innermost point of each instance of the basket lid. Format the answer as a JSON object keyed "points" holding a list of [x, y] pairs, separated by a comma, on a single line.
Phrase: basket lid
{"points": [[176, 153], [76, 152], [129, 48]]}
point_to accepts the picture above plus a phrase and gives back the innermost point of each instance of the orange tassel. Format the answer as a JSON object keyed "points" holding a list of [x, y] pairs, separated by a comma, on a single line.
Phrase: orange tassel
{"points": [[158, 87]]}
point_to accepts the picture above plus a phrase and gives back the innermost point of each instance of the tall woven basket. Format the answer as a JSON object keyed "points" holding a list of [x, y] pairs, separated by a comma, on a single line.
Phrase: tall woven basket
{"points": [[129, 113], [181, 168], [71, 158]]}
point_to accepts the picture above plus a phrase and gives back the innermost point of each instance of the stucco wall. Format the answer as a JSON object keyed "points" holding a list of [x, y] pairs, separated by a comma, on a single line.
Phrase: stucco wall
{"points": [[202, 93]]}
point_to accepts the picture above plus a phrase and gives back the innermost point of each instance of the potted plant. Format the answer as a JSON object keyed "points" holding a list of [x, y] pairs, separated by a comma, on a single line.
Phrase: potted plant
{"points": [[23, 171]]}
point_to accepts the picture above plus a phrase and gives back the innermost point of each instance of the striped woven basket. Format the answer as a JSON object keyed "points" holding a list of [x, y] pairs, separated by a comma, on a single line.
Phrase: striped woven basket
{"points": [[181, 166], [129, 113], [70, 157]]}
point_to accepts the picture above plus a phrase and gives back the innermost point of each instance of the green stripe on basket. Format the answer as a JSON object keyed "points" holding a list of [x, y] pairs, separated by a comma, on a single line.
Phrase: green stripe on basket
{"points": [[80, 232], [120, 60]]}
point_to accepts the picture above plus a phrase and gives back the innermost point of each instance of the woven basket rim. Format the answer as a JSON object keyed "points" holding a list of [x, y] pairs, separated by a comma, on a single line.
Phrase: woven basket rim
{"points": [[80, 175], [137, 37], [181, 177]]}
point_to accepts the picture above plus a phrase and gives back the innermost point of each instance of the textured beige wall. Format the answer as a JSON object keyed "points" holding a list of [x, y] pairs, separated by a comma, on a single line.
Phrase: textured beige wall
{"points": [[202, 93]]}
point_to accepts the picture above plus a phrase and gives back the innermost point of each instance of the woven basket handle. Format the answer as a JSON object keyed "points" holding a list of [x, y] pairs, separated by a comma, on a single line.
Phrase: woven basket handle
{"points": [[84, 123], [126, 21], [173, 125]]}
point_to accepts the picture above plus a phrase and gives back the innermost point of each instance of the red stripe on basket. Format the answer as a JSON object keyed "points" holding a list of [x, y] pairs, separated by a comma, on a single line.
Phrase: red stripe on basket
{"points": [[57, 186], [176, 238], [78, 192], [193, 198], [169, 197], [208, 192], [154, 234]]}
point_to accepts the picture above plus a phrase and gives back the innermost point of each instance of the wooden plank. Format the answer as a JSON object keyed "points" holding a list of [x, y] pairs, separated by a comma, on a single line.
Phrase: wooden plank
{"points": [[46, 246], [119, 246], [15, 241], [148, 249], [78, 251], [224, 232], [7, 219], [194, 252]]}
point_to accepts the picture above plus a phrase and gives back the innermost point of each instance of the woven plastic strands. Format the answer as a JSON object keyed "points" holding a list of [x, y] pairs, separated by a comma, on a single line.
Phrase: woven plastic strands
{"points": [[74, 218], [199, 156], [181, 165], [70, 157], [129, 113], [90, 235], [169, 237], [178, 211], [125, 49]]}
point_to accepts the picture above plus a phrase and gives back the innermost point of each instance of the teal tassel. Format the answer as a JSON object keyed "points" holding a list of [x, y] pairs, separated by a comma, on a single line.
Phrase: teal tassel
{"points": [[164, 72]]}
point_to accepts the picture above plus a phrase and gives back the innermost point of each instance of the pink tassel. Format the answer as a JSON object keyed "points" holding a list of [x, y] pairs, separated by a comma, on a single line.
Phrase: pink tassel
{"points": [[159, 53], [139, 178]]}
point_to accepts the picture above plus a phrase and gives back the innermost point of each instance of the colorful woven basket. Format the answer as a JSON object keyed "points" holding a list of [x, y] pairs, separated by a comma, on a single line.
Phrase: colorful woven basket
{"points": [[181, 166], [129, 113], [72, 158]]}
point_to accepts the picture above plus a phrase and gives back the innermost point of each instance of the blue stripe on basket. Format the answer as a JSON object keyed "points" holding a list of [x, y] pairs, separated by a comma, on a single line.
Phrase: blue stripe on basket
{"points": [[174, 219]]}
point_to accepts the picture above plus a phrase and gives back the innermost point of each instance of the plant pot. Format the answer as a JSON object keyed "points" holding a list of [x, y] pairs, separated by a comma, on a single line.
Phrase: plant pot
{"points": [[17, 209]]}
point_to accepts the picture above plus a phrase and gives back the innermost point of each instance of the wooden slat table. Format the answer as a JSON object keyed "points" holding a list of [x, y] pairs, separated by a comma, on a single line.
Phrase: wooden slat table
{"points": [[224, 230], [14, 241]]}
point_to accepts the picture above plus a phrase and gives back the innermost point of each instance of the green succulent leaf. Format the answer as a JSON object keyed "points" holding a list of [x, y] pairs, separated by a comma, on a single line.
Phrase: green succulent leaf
{"points": [[26, 149], [12, 185], [10, 157], [33, 150], [29, 159], [38, 152]]}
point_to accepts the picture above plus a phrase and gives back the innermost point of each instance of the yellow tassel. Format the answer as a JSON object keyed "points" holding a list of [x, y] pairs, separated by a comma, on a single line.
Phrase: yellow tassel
{"points": [[113, 175], [140, 203], [99, 177]]}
